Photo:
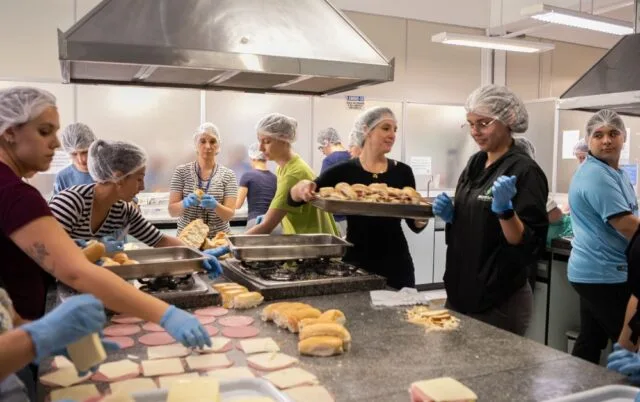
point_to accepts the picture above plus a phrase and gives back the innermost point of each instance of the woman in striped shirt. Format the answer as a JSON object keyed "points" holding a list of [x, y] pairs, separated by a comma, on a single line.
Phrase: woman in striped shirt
{"points": [[218, 184]]}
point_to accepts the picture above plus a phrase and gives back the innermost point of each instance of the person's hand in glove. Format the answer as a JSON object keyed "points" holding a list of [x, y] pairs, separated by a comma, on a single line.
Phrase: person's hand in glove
{"points": [[112, 245], [443, 207], [503, 190], [80, 243], [77, 317], [208, 201], [212, 265], [625, 362], [259, 219], [185, 328], [191, 200]]}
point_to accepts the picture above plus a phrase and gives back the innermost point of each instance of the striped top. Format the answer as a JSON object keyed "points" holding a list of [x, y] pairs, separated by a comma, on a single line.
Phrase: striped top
{"points": [[72, 209], [223, 185]]}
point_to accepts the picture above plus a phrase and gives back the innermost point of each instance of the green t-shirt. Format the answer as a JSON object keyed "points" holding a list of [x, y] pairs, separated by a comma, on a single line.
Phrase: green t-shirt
{"points": [[306, 218]]}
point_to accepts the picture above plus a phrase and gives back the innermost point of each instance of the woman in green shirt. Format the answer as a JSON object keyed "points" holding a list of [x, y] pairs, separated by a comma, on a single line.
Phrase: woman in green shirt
{"points": [[276, 133]]}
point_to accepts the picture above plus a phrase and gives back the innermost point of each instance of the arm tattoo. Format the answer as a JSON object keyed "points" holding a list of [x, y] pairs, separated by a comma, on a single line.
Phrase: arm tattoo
{"points": [[38, 253]]}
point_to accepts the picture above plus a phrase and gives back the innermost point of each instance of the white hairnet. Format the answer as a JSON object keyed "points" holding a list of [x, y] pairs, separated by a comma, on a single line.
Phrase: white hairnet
{"points": [[328, 136], [255, 154], [525, 145], [278, 126], [367, 121], [608, 118], [77, 137], [499, 103], [19, 105], [207, 129], [354, 139], [581, 146], [111, 161]]}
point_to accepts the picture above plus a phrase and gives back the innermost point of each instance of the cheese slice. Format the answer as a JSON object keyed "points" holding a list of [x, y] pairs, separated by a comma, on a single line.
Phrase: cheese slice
{"points": [[201, 389], [315, 393], [128, 387], [166, 351], [168, 380], [208, 361], [442, 389], [152, 368], [64, 377], [271, 361], [119, 368], [218, 344], [87, 352], [232, 373], [291, 377], [259, 345], [61, 362], [76, 393]]}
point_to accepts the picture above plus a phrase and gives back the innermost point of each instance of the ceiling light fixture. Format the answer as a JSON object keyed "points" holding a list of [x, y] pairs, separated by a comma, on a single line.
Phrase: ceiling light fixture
{"points": [[492, 42], [577, 19]]}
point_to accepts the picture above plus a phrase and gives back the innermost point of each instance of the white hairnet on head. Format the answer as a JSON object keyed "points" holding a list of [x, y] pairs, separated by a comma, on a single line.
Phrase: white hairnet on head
{"points": [[525, 145], [19, 105], [111, 161], [328, 136], [278, 126], [207, 129], [605, 118], [77, 137], [581, 146], [368, 120], [255, 154], [354, 139], [499, 103]]}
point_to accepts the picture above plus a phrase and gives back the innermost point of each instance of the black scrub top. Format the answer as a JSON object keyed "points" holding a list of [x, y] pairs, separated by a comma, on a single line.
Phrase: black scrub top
{"points": [[482, 269], [379, 245], [633, 264]]}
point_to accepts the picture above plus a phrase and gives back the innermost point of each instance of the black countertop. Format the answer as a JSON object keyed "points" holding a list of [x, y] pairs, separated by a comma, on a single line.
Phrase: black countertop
{"points": [[389, 353]]}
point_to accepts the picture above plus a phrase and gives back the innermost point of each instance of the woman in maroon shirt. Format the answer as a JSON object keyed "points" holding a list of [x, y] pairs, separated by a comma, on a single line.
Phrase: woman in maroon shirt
{"points": [[34, 247]]}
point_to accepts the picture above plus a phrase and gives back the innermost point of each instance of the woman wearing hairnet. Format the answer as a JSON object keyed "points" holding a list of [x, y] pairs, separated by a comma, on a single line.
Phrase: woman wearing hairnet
{"points": [[330, 145], [379, 245], [580, 150], [354, 147], [218, 184], [276, 133], [498, 224], [604, 216], [35, 248], [257, 186], [76, 139]]}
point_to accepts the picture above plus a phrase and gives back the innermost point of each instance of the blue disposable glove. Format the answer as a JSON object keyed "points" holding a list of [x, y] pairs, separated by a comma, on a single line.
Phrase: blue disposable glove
{"points": [[185, 328], [208, 201], [259, 219], [212, 265], [80, 243], [443, 207], [503, 190], [190, 201], [112, 245], [625, 362], [76, 317]]}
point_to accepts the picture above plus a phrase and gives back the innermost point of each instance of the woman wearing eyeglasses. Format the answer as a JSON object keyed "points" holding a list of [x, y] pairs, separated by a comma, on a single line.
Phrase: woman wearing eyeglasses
{"points": [[498, 223]]}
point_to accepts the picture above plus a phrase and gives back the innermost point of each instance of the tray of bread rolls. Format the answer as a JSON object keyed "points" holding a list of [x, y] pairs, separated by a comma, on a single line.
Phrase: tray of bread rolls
{"points": [[376, 199]]}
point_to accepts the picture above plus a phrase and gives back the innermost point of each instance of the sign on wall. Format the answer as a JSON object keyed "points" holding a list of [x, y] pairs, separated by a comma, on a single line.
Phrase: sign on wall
{"points": [[569, 140], [355, 102]]}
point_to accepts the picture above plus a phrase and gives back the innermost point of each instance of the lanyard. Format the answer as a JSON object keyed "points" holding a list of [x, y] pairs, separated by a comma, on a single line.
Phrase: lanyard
{"points": [[213, 172]]}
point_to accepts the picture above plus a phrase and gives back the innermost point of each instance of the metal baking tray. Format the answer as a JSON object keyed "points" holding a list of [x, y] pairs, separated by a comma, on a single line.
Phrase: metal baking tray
{"points": [[286, 247], [163, 261], [608, 393], [231, 390], [388, 210]]}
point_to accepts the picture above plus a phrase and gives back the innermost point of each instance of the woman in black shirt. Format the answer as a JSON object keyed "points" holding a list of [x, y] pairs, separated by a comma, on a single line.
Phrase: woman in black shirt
{"points": [[379, 245], [498, 224]]}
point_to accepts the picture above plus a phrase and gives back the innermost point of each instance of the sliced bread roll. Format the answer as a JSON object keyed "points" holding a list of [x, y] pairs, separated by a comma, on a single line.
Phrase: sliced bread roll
{"points": [[327, 329], [246, 300], [195, 233], [290, 318], [322, 346]]}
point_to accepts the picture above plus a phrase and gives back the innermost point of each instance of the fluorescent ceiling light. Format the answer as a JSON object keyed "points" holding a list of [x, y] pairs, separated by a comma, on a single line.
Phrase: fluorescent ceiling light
{"points": [[577, 19], [496, 43]]}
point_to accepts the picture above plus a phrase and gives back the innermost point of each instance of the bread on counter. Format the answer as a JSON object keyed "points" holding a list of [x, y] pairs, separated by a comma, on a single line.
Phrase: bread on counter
{"points": [[322, 346], [247, 300], [327, 329]]}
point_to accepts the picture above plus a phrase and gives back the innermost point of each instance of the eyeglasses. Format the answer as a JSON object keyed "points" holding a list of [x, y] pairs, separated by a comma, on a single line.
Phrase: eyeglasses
{"points": [[481, 125]]}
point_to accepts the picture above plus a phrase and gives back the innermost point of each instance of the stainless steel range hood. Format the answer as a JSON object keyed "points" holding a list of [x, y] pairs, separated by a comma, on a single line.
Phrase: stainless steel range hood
{"points": [[282, 46]]}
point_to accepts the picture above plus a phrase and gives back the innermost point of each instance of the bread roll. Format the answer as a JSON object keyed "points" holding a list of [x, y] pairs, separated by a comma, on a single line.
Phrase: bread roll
{"points": [[108, 262], [268, 312], [129, 262], [194, 234], [360, 189], [290, 318], [333, 315], [247, 300], [378, 188], [199, 193], [326, 191], [120, 258], [94, 251], [276, 311], [346, 190], [229, 294], [322, 346], [327, 329]]}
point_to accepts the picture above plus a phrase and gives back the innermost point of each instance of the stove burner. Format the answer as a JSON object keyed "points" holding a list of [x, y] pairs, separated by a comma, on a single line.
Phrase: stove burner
{"points": [[280, 274], [335, 268], [260, 265], [167, 283]]}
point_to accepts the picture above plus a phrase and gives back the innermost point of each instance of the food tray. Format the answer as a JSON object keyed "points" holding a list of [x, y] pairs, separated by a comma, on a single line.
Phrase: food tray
{"points": [[229, 391], [163, 261], [286, 247], [608, 393], [340, 207]]}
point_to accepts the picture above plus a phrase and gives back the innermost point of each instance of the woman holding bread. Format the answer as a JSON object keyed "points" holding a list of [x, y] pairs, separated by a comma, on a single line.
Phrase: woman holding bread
{"points": [[35, 248], [276, 132], [204, 189], [379, 245], [498, 224]]}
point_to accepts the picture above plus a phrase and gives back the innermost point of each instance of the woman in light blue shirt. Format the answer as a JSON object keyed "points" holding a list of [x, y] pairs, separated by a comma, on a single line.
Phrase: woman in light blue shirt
{"points": [[604, 213], [76, 139]]}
